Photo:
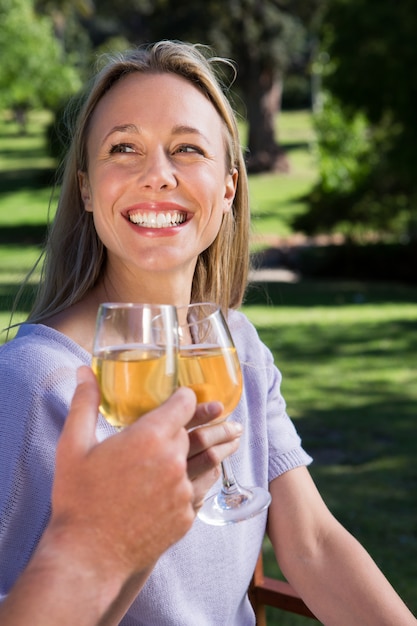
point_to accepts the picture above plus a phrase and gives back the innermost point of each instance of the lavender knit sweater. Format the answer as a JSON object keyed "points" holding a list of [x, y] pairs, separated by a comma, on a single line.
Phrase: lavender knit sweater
{"points": [[200, 581]]}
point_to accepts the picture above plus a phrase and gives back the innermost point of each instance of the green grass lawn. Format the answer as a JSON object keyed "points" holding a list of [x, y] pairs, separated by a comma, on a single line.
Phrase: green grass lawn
{"points": [[347, 352], [276, 198], [26, 183]]}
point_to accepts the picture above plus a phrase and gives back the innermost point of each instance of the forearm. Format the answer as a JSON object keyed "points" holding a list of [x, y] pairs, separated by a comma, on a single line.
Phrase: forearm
{"points": [[124, 599], [66, 583], [343, 586], [331, 571]]}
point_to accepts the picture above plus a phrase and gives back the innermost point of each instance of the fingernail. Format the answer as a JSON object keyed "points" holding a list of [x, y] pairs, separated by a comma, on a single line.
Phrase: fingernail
{"points": [[237, 428], [213, 409], [82, 374]]}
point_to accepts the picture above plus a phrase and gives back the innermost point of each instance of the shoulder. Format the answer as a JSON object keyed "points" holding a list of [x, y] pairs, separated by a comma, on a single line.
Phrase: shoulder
{"points": [[240, 326], [33, 341], [37, 379], [249, 345], [38, 354]]}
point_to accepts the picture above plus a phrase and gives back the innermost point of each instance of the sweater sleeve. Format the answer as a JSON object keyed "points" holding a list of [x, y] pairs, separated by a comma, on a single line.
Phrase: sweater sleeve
{"points": [[266, 405], [37, 379]]}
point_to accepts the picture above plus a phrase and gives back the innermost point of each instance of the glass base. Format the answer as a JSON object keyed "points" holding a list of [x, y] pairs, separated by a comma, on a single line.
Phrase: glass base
{"points": [[235, 505]]}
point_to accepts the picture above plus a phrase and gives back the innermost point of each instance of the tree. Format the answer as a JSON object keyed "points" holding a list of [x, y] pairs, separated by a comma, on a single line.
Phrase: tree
{"points": [[262, 36], [371, 56], [34, 71]]}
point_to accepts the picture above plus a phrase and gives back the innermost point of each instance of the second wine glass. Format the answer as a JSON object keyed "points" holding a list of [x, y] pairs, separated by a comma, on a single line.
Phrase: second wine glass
{"points": [[209, 364]]}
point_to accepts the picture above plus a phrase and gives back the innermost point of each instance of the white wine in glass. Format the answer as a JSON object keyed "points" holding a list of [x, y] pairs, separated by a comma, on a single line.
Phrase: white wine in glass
{"points": [[135, 356], [212, 372], [209, 364]]}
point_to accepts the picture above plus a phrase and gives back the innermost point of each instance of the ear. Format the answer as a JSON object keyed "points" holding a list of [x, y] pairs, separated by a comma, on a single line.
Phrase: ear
{"points": [[230, 190], [85, 190]]}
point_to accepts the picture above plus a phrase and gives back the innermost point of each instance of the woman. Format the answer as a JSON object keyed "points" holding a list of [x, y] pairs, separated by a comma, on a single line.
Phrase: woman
{"points": [[154, 207]]}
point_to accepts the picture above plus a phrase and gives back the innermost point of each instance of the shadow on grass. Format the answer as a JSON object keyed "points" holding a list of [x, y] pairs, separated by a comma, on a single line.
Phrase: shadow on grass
{"points": [[357, 342], [363, 435], [310, 293], [30, 234], [8, 293], [30, 178], [296, 145]]}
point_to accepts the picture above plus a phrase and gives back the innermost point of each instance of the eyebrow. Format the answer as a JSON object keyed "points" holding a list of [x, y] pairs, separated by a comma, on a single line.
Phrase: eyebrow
{"points": [[180, 129], [183, 129], [122, 128]]}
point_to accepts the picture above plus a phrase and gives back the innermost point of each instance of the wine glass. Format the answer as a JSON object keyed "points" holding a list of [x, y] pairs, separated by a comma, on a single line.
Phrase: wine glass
{"points": [[135, 359], [208, 363]]}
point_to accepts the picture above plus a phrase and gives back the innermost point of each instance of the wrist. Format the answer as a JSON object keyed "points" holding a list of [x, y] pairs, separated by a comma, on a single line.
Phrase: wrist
{"points": [[72, 563]]}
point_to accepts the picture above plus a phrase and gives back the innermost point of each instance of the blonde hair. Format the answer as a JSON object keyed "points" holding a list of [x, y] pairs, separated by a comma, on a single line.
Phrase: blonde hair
{"points": [[74, 256]]}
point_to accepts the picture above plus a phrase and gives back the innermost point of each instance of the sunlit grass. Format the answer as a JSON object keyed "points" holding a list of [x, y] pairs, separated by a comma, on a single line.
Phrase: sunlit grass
{"points": [[347, 315], [29, 206], [30, 147], [277, 198]]}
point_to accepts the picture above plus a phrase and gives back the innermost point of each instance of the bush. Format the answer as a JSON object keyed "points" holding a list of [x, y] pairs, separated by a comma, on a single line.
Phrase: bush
{"points": [[358, 190]]}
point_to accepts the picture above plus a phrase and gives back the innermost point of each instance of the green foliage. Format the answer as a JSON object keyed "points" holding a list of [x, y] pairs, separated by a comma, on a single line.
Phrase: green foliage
{"points": [[270, 31], [268, 35], [367, 144], [379, 75], [358, 192], [344, 148], [34, 71]]}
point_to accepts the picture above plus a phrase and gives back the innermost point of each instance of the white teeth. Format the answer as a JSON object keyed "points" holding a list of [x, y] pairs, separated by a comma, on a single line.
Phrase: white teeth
{"points": [[153, 219]]}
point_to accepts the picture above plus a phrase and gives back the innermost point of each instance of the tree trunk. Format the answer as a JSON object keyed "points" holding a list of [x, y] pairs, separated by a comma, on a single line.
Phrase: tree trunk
{"points": [[263, 99], [20, 116]]}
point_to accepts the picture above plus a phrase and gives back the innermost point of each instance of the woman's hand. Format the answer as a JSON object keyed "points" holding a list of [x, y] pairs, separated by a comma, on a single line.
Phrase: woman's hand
{"points": [[210, 444]]}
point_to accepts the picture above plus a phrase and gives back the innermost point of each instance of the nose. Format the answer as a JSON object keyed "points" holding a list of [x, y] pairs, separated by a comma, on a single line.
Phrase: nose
{"points": [[158, 171]]}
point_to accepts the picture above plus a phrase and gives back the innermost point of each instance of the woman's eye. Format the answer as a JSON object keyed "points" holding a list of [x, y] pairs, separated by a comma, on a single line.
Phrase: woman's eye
{"points": [[187, 149], [121, 148]]}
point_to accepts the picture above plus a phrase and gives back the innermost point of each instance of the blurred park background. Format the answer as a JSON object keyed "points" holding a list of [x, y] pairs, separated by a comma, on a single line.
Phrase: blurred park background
{"points": [[326, 91]]}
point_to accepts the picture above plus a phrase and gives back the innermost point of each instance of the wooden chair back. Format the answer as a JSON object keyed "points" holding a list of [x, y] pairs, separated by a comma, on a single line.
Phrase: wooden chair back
{"points": [[265, 591]]}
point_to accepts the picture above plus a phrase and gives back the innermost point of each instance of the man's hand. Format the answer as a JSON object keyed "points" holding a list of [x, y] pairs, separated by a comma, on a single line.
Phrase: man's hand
{"points": [[129, 493]]}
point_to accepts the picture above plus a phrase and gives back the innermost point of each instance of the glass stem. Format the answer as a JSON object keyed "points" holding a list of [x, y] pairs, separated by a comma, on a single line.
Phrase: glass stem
{"points": [[228, 478]]}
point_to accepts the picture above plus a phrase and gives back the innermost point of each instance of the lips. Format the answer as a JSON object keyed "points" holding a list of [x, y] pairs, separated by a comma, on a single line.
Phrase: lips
{"points": [[157, 219]]}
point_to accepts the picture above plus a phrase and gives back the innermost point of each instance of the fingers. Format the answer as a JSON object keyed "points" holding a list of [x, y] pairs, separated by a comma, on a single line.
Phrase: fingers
{"points": [[209, 446], [205, 437], [173, 414], [206, 412]]}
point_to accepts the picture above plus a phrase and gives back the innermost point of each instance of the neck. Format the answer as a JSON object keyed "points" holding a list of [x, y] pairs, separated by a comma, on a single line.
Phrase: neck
{"points": [[154, 288]]}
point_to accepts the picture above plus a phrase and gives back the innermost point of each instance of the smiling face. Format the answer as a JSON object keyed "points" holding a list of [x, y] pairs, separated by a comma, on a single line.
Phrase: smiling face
{"points": [[157, 181]]}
